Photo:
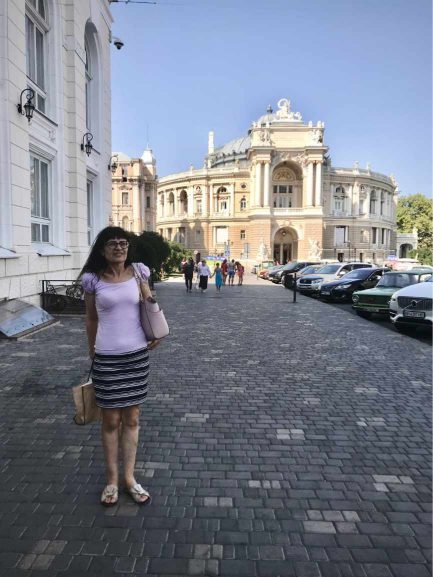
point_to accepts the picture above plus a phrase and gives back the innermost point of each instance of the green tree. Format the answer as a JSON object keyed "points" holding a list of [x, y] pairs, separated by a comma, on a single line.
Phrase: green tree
{"points": [[177, 253], [416, 211], [152, 249]]}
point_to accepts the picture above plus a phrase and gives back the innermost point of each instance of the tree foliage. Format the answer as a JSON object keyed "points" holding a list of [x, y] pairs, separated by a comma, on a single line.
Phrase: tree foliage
{"points": [[416, 211], [177, 253], [152, 249]]}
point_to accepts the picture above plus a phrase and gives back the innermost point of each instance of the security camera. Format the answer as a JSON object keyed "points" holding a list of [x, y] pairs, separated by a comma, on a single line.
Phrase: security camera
{"points": [[118, 43]]}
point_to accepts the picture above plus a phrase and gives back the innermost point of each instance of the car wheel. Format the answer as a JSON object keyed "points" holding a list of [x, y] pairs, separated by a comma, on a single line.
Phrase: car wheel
{"points": [[403, 329], [364, 314]]}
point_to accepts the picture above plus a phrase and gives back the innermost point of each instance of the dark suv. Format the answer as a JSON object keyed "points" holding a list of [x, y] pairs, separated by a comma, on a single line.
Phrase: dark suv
{"points": [[288, 270]]}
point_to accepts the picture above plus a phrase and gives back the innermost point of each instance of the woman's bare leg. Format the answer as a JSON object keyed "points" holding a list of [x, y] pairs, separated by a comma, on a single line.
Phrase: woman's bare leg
{"points": [[110, 443], [130, 428]]}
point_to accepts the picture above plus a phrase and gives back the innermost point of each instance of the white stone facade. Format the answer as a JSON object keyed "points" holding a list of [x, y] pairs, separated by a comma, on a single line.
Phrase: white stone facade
{"points": [[53, 197], [274, 193]]}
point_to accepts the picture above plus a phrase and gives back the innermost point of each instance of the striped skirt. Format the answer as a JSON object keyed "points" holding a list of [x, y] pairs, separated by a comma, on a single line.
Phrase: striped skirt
{"points": [[120, 380]]}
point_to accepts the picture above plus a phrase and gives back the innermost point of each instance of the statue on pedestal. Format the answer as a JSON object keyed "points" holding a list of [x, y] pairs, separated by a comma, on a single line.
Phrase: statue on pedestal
{"points": [[315, 252]]}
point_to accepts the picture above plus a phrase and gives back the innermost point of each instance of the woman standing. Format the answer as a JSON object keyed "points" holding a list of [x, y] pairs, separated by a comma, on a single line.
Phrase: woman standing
{"points": [[240, 272], [120, 354], [217, 273], [204, 273]]}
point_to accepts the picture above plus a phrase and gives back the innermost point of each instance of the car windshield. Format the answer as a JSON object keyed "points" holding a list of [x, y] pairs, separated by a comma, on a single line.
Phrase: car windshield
{"points": [[360, 273], [291, 266], [398, 280], [310, 269], [329, 269]]}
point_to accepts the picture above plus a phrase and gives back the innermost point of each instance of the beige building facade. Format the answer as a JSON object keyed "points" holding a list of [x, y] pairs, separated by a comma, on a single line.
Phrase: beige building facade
{"points": [[275, 194], [134, 192]]}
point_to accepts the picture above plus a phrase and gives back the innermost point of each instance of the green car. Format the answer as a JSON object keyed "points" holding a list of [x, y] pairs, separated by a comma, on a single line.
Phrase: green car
{"points": [[376, 300]]}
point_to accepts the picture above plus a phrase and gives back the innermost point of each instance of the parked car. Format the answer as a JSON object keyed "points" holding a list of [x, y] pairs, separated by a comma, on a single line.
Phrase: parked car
{"points": [[311, 283], [289, 278], [266, 272], [376, 300], [411, 307], [402, 264], [261, 265], [359, 279], [288, 268]]}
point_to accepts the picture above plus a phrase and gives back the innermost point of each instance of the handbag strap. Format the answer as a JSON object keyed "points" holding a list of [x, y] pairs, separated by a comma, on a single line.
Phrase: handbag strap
{"points": [[91, 369], [138, 279]]}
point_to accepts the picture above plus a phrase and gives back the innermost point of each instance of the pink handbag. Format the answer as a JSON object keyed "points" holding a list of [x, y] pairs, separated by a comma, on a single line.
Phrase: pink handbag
{"points": [[152, 318]]}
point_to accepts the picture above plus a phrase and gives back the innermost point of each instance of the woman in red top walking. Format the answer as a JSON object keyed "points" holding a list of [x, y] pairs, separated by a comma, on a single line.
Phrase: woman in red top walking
{"points": [[224, 270]]}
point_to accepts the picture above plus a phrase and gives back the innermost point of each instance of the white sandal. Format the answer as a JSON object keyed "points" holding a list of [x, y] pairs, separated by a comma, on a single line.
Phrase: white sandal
{"points": [[137, 492], [110, 492]]}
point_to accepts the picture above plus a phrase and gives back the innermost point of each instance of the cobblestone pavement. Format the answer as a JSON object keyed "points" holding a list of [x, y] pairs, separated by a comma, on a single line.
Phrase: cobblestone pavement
{"points": [[278, 439]]}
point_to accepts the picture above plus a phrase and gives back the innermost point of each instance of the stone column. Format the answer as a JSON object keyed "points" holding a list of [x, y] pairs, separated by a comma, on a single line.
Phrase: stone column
{"points": [[351, 188], [318, 199], [267, 184], [232, 200], [259, 184], [252, 185], [176, 203], [310, 178], [204, 200]]}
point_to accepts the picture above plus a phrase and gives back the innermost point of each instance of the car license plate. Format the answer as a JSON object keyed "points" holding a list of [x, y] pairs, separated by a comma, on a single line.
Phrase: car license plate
{"points": [[414, 314]]}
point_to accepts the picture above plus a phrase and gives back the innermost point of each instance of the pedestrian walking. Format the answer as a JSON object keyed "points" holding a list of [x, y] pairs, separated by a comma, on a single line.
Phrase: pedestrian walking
{"points": [[204, 274], [224, 267], [240, 272], [120, 354], [188, 273], [231, 270], [217, 273]]}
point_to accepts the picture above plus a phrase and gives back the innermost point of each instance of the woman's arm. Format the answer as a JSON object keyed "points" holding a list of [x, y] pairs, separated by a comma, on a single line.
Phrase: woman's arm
{"points": [[91, 322]]}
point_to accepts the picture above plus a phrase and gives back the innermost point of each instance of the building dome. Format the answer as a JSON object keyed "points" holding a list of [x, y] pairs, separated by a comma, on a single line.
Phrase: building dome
{"points": [[266, 118], [235, 150]]}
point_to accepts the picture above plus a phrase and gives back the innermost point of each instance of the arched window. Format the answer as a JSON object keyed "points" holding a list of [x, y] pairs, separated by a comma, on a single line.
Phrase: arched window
{"points": [[243, 203], [88, 84], [339, 199], [125, 223], [373, 201], [222, 202], [183, 202], [171, 204], [125, 198], [382, 202], [285, 186], [161, 204], [92, 80], [36, 50]]}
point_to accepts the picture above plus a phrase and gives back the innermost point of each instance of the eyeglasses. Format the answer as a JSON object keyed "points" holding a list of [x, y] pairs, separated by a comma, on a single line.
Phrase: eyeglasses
{"points": [[112, 244]]}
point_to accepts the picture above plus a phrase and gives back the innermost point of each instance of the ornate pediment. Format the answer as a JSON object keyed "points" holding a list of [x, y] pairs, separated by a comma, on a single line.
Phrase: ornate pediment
{"points": [[283, 173]]}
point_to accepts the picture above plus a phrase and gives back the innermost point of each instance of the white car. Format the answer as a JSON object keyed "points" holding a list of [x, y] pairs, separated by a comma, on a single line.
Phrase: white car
{"points": [[311, 283], [411, 306]]}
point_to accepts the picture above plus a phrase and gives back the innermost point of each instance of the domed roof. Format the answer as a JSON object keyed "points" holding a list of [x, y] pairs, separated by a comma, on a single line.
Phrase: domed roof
{"points": [[267, 118], [147, 156], [237, 146], [121, 156]]}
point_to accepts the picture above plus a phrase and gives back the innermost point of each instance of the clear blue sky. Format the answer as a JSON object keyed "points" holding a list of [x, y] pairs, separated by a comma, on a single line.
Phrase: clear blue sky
{"points": [[364, 67]]}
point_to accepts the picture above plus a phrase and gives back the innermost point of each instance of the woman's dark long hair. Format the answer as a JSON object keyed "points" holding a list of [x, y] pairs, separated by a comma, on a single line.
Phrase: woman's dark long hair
{"points": [[96, 261]]}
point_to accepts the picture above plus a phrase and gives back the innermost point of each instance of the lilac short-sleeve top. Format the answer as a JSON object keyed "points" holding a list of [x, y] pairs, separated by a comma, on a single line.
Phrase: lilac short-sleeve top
{"points": [[117, 304]]}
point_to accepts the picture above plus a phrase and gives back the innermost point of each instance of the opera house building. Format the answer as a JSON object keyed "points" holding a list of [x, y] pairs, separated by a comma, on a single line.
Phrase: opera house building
{"points": [[274, 194]]}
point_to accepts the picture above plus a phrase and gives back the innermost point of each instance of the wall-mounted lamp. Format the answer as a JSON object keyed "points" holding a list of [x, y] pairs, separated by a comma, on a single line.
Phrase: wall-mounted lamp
{"points": [[112, 165], [87, 143], [28, 108], [284, 233]]}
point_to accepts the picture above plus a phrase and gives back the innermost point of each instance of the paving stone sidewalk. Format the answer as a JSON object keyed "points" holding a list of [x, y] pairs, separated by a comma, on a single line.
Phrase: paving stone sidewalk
{"points": [[278, 439]]}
